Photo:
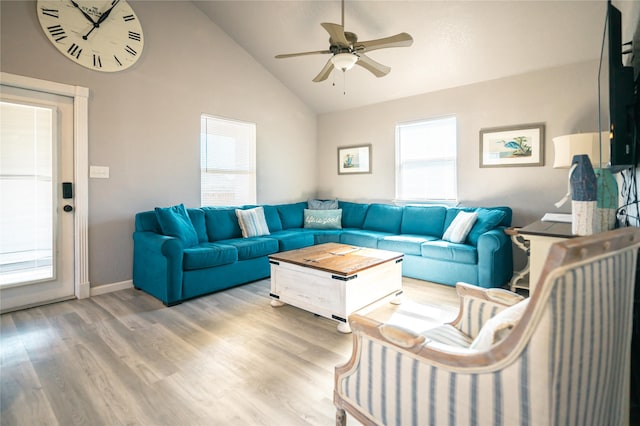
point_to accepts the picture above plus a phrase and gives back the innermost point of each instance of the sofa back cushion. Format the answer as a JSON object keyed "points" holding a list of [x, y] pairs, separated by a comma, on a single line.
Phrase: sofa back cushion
{"points": [[353, 214], [273, 218], [292, 215], [423, 220], [199, 224], [383, 218], [222, 223]]}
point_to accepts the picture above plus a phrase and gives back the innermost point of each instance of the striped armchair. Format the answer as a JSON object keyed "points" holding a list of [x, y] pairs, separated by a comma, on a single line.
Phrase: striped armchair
{"points": [[563, 361]]}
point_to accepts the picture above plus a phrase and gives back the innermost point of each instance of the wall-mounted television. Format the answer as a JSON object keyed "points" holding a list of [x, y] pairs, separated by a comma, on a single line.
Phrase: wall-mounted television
{"points": [[622, 98]]}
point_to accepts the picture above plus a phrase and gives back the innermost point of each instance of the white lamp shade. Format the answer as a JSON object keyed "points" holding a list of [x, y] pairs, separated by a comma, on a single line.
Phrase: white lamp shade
{"points": [[567, 146], [344, 61]]}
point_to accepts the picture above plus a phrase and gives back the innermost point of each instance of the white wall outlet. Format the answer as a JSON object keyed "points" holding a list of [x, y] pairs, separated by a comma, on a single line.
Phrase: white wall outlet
{"points": [[99, 172]]}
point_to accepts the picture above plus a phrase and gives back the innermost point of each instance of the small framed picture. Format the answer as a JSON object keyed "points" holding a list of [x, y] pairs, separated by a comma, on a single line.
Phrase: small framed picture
{"points": [[512, 146], [354, 159]]}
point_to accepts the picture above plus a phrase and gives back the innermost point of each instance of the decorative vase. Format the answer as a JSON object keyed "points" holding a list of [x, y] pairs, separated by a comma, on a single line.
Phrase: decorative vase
{"points": [[584, 196], [607, 200]]}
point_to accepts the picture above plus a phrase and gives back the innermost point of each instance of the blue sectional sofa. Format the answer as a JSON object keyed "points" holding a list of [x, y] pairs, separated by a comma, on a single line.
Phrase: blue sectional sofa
{"points": [[174, 268]]}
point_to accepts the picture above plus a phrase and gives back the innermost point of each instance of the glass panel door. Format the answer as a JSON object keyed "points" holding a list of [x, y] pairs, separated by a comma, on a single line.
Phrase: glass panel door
{"points": [[27, 193]]}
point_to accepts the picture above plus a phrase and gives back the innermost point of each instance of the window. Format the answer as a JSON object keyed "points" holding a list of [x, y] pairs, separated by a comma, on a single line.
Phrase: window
{"points": [[426, 160], [227, 162]]}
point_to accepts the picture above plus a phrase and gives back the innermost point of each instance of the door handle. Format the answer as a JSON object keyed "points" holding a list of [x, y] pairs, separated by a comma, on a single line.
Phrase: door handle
{"points": [[68, 208]]}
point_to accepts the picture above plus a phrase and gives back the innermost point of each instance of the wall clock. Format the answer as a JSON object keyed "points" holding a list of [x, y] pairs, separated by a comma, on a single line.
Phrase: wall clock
{"points": [[100, 35]]}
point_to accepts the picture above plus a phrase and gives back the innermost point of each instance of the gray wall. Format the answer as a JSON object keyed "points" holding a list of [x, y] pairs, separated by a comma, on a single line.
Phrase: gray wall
{"points": [[144, 122], [564, 98]]}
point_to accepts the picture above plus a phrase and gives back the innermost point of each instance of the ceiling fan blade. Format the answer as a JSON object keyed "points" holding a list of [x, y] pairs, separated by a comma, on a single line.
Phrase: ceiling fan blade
{"points": [[375, 67], [336, 34], [398, 40], [291, 55], [328, 67]]}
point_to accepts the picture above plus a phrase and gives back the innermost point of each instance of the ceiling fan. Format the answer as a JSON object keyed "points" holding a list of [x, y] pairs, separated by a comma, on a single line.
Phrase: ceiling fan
{"points": [[346, 51]]}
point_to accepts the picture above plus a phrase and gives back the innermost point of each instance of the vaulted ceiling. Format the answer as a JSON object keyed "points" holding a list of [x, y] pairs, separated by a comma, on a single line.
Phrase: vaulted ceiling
{"points": [[455, 42]]}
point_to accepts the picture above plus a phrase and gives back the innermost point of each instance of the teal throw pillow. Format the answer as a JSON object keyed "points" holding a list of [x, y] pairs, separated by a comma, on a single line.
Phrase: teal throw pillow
{"points": [[174, 222], [487, 220], [252, 222], [323, 219]]}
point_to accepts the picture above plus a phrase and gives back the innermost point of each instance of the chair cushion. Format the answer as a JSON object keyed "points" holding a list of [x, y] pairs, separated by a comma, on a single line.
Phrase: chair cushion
{"points": [[174, 222], [448, 335], [497, 328], [207, 255], [252, 222], [323, 219], [486, 221], [459, 228]]}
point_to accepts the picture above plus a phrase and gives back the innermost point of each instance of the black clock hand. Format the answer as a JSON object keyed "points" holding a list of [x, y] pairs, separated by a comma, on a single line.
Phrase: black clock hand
{"points": [[89, 18], [105, 15]]}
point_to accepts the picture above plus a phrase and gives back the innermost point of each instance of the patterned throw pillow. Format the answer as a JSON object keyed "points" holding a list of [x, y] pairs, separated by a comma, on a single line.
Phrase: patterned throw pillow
{"points": [[323, 219], [175, 222], [252, 222], [460, 226]]}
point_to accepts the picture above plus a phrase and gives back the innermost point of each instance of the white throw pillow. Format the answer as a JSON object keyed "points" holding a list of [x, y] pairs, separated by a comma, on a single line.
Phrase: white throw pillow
{"points": [[497, 328], [252, 222], [460, 226]]}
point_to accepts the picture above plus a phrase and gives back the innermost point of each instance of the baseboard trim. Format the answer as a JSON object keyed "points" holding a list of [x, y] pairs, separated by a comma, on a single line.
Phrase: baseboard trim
{"points": [[110, 288]]}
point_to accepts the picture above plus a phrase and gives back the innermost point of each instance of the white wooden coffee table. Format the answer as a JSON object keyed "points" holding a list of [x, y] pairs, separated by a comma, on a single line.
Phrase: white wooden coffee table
{"points": [[334, 280]]}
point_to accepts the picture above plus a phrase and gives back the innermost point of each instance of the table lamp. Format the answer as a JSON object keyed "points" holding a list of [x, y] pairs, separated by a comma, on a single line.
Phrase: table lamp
{"points": [[596, 147]]}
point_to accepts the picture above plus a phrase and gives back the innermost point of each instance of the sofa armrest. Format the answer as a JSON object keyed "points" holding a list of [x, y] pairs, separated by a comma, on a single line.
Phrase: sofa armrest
{"points": [[157, 265], [478, 305], [495, 258]]}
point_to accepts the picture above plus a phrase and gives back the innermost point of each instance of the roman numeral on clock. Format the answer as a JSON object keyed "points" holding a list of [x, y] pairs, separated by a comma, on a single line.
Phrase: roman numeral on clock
{"points": [[74, 50], [128, 18], [117, 60], [130, 50], [134, 36], [57, 32], [97, 62], [50, 12]]}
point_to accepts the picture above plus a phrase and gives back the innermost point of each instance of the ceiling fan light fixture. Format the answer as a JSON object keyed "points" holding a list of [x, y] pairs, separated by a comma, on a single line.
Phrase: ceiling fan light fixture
{"points": [[344, 61]]}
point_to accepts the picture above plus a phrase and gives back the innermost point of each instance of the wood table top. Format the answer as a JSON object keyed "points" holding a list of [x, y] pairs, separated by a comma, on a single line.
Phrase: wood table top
{"points": [[339, 259]]}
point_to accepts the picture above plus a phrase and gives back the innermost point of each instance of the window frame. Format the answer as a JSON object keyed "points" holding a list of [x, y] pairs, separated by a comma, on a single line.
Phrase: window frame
{"points": [[428, 198], [228, 127]]}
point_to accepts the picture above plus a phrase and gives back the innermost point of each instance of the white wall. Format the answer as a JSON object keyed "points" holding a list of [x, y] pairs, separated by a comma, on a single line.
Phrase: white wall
{"points": [[564, 98], [144, 122]]}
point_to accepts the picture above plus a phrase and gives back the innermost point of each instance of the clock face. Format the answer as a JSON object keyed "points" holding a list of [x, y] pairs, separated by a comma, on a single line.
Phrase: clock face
{"points": [[100, 35]]}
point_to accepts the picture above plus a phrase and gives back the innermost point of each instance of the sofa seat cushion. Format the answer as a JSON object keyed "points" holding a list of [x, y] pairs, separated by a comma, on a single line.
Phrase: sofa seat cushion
{"points": [[323, 236], [453, 252], [207, 255], [407, 244], [250, 248], [293, 239], [363, 238]]}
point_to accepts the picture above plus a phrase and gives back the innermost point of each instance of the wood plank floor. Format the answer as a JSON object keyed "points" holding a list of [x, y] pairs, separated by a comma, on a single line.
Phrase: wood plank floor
{"points": [[223, 359]]}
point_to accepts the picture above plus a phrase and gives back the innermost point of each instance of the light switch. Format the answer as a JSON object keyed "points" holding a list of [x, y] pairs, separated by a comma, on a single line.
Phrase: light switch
{"points": [[99, 172]]}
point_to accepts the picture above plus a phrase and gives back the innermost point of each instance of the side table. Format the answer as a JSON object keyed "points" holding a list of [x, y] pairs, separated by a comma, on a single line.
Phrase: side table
{"points": [[541, 235], [520, 279]]}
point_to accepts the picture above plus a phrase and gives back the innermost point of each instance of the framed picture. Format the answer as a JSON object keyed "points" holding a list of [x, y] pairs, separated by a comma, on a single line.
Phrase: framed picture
{"points": [[512, 146], [354, 159]]}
